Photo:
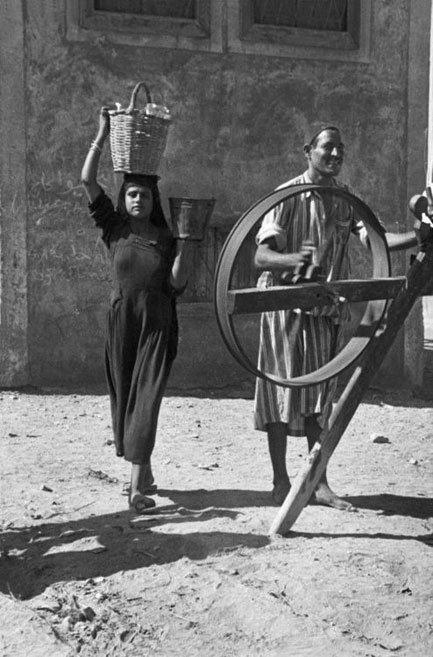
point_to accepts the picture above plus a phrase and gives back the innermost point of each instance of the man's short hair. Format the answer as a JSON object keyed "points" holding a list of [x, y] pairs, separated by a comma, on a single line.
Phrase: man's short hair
{"points": [[315, 137]]}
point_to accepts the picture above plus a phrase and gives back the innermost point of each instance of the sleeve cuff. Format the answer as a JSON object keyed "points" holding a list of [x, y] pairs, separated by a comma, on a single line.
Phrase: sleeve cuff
{"points": [[275, 231]]}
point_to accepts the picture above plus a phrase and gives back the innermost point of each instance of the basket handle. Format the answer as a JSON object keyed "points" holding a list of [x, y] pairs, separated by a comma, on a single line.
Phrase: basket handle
{"points": [[131, 106]]}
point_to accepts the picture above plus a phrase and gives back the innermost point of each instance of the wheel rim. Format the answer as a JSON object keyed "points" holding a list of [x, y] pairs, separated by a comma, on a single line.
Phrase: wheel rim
{"points": [[225, 269]]}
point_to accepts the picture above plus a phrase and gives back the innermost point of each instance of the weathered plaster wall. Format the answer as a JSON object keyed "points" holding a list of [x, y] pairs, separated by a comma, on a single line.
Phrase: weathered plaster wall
{"points": [[238, 129], [13, 210]]}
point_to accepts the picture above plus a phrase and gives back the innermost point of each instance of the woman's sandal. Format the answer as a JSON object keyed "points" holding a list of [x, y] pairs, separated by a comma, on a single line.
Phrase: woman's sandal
{"points": [[141, 504]]}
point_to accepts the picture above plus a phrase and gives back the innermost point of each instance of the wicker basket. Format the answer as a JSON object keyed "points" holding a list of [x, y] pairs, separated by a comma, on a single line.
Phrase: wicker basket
{"points": [[137, 138]]}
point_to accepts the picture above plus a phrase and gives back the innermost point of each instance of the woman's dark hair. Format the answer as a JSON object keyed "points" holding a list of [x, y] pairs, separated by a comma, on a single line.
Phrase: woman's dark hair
{"points": [[157, 217]]}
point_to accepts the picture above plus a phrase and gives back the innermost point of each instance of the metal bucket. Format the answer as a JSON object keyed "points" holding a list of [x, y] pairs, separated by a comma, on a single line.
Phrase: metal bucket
{"points": [[190, 216]]}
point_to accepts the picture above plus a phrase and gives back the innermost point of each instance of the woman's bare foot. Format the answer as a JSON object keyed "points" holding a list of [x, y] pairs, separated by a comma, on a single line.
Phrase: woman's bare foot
{"points": [[141, 480], [324, 496], [280, 491], [147, 480]]}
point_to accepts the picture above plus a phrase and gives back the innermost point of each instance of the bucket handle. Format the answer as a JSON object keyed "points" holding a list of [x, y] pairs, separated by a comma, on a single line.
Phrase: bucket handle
{"points": [[134, 94]]}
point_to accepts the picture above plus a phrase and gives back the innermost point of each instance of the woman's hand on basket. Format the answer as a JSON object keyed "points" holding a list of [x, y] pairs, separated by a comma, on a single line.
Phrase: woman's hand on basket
{"points": [[104, 121]]}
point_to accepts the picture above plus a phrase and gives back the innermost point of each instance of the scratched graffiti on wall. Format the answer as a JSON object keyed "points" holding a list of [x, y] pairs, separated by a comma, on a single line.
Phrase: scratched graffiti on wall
{"points": [[65, 245]]}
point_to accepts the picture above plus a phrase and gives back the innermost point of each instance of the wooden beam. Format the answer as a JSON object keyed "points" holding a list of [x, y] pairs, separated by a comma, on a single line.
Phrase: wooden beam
{"points": [[310, 295]]}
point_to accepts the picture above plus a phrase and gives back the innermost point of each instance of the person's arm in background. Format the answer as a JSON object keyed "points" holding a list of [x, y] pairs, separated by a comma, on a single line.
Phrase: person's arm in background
{"points": [[400, 241], [395, 241]]}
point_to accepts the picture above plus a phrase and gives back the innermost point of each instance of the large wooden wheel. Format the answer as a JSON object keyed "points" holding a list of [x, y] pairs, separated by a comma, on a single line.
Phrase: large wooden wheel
{"points": [[230, 302]]}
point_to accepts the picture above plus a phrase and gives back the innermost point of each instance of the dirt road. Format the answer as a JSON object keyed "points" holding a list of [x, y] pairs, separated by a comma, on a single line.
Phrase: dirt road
{"points": [[80, 574]]}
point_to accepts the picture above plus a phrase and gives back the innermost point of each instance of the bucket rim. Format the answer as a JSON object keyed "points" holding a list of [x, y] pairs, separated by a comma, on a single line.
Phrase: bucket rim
{"points": [[190, 199]]}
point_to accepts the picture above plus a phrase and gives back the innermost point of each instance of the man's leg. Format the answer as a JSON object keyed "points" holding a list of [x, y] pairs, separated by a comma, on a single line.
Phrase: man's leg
{"points": [[277, 443], [323, 494]]}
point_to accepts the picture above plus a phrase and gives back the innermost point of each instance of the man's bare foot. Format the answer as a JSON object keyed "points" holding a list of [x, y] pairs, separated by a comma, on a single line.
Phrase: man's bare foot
{"points": [[280, 492], [324, 496]]}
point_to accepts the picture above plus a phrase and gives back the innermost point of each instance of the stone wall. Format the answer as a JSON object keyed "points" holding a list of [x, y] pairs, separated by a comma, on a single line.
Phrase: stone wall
{"points": [[239, 123]]}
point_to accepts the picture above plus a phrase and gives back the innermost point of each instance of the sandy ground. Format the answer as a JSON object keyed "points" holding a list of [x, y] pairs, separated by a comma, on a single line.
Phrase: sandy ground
{"points": [[80, 574]]}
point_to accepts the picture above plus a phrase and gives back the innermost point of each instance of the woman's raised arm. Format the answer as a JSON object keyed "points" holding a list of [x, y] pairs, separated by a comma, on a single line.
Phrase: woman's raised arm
{"points": [[91, 163]]}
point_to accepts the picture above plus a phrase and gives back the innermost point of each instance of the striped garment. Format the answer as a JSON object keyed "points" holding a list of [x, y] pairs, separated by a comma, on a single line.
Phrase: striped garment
{"points": [[293, 343]]}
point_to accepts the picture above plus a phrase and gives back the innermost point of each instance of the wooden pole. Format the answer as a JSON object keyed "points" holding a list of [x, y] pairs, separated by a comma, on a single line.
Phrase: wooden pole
{"points": [[419, 275]]}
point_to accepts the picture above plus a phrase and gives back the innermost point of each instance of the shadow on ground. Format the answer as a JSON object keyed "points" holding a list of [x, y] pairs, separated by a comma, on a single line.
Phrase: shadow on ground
{"points": [[35, 557], [426, 539], [415, 507]]}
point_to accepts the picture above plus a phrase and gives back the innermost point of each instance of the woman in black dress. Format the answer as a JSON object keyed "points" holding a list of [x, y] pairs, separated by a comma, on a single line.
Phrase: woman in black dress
{"points": [[149, 271]]}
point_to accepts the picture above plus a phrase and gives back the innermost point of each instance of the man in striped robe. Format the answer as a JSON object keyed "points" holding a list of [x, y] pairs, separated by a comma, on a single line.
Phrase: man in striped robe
{"points": [[309, 228]]}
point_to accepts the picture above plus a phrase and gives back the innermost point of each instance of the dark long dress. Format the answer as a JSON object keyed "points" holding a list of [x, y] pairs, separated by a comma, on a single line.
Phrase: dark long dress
{"points": [[141, 338]]}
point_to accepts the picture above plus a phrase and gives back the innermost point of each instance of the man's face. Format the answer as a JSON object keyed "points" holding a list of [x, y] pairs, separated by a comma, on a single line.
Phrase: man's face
{"points": [[326, 156]]}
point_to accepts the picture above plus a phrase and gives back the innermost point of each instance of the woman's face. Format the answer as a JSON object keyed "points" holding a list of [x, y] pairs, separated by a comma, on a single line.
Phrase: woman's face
{"points": [[138, 201]]}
